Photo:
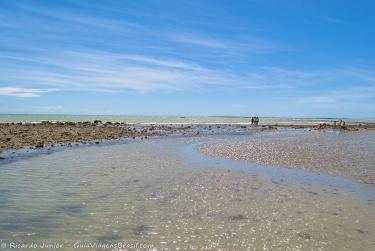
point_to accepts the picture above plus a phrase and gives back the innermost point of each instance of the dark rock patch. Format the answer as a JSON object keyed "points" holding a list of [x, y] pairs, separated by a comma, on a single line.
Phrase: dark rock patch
{"points": [[39, 145], [237, 217]]}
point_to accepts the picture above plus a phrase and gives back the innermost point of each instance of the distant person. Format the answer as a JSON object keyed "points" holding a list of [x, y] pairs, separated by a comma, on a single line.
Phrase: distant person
{"points": [[343, 125], [256, 121]]}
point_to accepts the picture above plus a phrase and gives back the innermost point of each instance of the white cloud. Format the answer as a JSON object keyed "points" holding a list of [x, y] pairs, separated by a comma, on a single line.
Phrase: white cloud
{"points": [[105, 71], [22, 92], [93, 70], [167, 63]]}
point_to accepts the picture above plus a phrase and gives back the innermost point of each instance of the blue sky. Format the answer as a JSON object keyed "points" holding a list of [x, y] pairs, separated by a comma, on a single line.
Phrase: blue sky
{"points": [[312, 58]]}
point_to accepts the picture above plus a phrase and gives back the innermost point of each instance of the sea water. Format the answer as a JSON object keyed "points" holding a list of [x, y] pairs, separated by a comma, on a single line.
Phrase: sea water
{"points": [[171, 119], [153, 194]]}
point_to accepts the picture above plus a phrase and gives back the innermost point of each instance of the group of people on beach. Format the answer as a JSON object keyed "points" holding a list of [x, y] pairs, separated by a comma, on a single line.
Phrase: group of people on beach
{"points": [[255, 121], [336, 124]]}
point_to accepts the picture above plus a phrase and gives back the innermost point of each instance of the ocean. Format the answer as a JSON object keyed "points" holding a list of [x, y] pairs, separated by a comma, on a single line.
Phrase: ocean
{"points": [[171, 119]]}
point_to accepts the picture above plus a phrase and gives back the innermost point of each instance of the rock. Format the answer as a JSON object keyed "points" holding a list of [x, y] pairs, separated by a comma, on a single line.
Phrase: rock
{"points": [[39, 145]]}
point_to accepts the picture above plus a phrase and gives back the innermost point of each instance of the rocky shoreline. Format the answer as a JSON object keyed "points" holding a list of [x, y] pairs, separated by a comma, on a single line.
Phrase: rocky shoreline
{"points": [[15, 136], [38, 135]]}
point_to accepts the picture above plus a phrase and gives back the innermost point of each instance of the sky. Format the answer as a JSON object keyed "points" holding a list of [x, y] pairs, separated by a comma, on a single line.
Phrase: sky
{"points": [[293, 58]]}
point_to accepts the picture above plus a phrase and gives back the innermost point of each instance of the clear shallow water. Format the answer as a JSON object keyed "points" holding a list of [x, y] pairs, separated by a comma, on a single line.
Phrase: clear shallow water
{"points": [[341, 153], [166, 119], [149, 192]]}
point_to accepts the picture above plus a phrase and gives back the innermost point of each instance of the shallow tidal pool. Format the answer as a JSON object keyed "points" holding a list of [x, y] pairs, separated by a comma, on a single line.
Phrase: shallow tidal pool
{"points": [[158, 195]]}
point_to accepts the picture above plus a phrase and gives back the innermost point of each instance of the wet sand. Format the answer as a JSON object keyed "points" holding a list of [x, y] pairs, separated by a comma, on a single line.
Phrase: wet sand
{"points": [[341, 153]]}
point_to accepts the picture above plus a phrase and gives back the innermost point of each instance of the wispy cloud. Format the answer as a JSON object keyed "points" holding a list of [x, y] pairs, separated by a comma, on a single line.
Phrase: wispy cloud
{"points": [[199, 40], [22, 92], [345, 95], [327, 78], [161, 62], [234, 45], [108, 71]]}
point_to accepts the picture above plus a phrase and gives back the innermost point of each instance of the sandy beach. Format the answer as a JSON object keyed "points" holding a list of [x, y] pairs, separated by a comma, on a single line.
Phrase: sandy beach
{"points": [[340, 153]]}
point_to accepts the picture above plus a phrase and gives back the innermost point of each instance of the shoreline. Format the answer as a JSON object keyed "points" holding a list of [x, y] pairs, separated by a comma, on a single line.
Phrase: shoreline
{"points": [[38, 135], [35, 136]]}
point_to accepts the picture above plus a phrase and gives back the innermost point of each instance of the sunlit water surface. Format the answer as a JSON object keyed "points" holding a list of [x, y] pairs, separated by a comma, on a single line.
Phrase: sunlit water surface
{"points": [[160, 193]]}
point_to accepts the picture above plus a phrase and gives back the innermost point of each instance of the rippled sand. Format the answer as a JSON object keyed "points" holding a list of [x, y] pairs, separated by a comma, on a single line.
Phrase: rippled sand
{"points": [[350, 154], [147, 193]]}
